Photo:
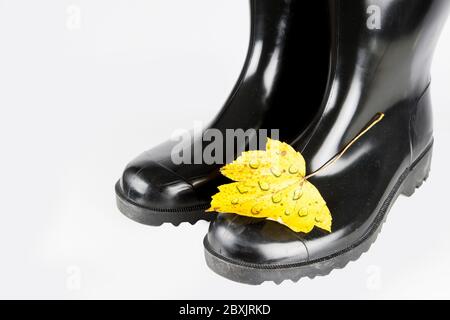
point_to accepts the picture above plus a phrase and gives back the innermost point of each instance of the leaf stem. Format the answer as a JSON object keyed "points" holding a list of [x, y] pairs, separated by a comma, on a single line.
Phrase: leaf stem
{"points": [[378, 117]]}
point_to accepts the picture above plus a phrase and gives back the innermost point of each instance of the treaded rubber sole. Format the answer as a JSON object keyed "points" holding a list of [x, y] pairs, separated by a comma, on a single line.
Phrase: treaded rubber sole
{"points": [[157, 217], [253, 274]]}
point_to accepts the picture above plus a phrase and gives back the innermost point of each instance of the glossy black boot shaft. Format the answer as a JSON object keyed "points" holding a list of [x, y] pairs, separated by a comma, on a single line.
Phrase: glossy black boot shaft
{"points": [[280, 87], [373, 70]]}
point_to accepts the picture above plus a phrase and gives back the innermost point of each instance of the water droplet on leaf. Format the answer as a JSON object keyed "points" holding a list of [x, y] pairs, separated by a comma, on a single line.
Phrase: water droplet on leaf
{"points": [[256, 210], [254, 164], [293, 169], [242, 189], [302, 213], [276, 172], [277, 197], [264, 186], [298, 193]]}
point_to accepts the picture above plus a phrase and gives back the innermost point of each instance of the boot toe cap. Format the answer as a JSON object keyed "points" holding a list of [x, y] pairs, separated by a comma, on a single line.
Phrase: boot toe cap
{"points": [[254, 241], [151, 185]]}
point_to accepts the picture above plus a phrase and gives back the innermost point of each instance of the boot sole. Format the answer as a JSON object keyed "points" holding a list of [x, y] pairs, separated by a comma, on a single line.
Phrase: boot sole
{"points": [[157, 217], [254, 274]]}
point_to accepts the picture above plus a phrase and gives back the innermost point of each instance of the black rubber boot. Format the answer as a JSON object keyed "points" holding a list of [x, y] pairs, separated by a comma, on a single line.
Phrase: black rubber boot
{"points": [[281, 87], [385, 69]]}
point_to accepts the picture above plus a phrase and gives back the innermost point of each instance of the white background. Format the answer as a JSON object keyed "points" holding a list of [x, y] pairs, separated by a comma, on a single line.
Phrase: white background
{"points": [[80, 99]]}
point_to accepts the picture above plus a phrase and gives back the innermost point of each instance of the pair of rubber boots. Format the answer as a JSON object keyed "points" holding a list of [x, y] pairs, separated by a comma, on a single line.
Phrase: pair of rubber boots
{"points": [[318, 72]]}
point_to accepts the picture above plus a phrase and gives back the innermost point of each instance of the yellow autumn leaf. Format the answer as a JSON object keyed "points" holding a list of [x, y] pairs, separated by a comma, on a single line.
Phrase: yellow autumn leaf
{"points": [[271, 184]]}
